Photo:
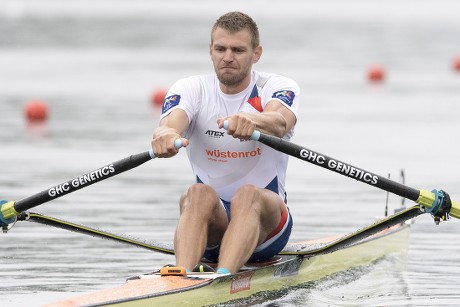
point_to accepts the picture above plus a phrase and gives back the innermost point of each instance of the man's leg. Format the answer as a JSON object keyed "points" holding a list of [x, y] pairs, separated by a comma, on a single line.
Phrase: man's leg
{"points": [[202, 222], [254, 213]]}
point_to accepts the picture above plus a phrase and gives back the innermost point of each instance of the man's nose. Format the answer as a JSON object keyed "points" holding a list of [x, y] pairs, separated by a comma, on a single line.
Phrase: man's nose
{"points": [[228, 56]]}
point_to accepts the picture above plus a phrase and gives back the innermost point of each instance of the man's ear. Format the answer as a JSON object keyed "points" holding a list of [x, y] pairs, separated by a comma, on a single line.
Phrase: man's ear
{"points": [[257, 54]]}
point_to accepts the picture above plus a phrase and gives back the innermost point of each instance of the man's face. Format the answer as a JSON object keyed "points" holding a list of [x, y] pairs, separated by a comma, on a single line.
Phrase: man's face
{"points": [[232, 56]]}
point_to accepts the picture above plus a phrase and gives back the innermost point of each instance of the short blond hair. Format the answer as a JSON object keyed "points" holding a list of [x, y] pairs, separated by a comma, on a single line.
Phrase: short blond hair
{"points": [[236, 21]]}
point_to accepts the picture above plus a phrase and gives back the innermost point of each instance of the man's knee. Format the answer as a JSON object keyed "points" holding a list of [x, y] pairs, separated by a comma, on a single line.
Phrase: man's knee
{"points": [[201, 196], [246, 197], [246, 191], [262, 201]]}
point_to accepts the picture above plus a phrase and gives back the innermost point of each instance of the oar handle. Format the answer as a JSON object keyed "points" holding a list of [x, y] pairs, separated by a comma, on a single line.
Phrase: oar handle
{"points": [[422, 197], [177, 143], [13, 208], [255, 135]]}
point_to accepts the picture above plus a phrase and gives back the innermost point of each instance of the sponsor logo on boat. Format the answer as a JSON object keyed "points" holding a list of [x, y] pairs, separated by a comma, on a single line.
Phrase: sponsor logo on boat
{"points": [[81, 181], [338, 166], [241, 282]]}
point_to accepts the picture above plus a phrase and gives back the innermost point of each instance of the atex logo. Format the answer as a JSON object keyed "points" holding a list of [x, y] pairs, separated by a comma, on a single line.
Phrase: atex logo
{"points": [[215, 134]]}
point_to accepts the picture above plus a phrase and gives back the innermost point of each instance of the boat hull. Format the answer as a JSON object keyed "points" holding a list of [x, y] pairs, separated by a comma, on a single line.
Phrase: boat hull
{"points": [[289, 271]]}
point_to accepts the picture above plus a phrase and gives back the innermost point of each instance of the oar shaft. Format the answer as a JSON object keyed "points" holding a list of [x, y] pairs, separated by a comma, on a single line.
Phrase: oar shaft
{"points": [[338, 166], [422, 197], [12, 209], [80, 182]]}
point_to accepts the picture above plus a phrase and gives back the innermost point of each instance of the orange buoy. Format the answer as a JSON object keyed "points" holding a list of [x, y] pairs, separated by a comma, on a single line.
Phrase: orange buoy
{"points": [[36, 111], [457, 64], [376, 73], [158, 97]]}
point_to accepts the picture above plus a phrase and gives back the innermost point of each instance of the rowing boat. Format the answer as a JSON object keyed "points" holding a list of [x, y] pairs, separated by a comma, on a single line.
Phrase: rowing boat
{"points": [[298, 264]]}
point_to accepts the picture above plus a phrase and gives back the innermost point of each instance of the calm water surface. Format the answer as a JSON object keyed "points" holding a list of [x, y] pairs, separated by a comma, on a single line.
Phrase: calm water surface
{"points": [[96, 64]]}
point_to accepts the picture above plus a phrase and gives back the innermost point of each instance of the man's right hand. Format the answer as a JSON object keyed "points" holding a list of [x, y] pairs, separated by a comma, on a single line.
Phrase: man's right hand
{"points": [[163, 142]]}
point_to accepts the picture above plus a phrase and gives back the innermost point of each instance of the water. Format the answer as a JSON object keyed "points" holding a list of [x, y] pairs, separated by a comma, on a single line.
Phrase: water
{"points": [[96, 64]]}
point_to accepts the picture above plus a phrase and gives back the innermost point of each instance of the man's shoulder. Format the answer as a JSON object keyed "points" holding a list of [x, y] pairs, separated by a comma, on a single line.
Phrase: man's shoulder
{"points": [[263, 78]]}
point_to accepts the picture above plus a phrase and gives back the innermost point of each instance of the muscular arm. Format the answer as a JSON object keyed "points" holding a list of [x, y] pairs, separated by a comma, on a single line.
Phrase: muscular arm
{"points": [[171, 128], [276, 120]]}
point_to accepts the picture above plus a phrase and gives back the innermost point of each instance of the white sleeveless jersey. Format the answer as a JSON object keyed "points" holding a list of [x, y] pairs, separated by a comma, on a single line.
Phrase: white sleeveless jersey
{"points": [[218, 159]]}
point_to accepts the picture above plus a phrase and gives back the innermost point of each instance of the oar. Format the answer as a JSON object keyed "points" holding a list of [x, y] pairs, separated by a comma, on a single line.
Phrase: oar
{"points": [[51, 221], [433, 200], [11, 209]]}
